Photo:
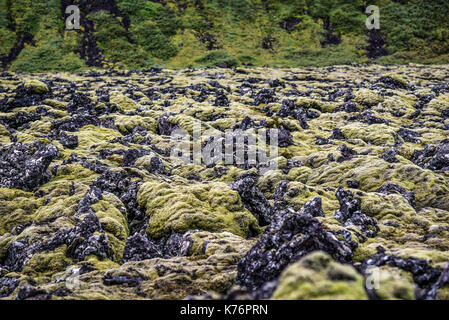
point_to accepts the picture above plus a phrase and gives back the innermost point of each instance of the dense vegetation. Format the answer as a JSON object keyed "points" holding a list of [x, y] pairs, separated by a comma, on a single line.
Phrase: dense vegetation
{"points": [[136, 34]]}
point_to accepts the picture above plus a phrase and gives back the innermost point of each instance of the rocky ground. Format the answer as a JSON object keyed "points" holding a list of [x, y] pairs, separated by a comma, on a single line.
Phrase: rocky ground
{"points": [[92, 206]]}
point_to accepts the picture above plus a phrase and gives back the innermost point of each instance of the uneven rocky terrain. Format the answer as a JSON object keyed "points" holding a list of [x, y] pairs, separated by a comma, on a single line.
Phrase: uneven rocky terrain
{"points": [[93, 206]]}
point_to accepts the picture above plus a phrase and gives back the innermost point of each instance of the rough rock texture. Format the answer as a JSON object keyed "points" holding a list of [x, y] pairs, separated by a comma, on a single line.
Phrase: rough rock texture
{"points": [[350, 213], [25, 166], [290, 236], [94, 204]]}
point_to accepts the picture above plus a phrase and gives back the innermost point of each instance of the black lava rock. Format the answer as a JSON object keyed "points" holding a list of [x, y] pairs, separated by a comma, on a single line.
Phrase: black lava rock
{"points": [[289, 108], [221, 100], [337, 134], [164, 126], [264, 96], [433, 157], [390, 155], [443, 280], [156, 166], [285, 138], [86, 238], [76, 122], [32, 293], [346, 153], [391, 83], [290, 236], [348, 107], [25, 166], [322, 141], [128, 281], [353, 184], [247, 123], [445, 114], [68, 141], [253, 199], [350, 213], [423, 274], [141, 247], [7, 286], [138, 247], [120, 184], [23, 97], [409, 135], [369, 118], [19, 119]]}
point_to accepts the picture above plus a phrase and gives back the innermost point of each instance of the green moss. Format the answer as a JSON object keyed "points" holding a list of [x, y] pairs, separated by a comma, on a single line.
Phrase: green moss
{"points": [[372, 172], [122, 102], [46, 263], [317, 276], [367, 97], [376, 134], [392, 283], [217, 57], [36, 86], [4, 135], [113, 222], [150, 37], [126, 124], [17, 207], [181, 206]]}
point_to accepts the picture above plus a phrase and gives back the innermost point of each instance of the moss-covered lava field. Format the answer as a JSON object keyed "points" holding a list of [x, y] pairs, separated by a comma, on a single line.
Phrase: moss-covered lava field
{"points": [[93, 205]]}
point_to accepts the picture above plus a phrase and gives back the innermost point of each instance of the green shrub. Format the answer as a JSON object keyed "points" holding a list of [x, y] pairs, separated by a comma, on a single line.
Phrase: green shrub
{"points": [[7, 40], [150, 37], [247, 60], [167, 22], [338, 55], [47, 56], [347, 19], [215, 57]]}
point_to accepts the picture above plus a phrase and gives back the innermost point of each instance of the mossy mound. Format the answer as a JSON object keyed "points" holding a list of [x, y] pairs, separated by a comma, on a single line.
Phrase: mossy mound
{"points": [[317, 276]]}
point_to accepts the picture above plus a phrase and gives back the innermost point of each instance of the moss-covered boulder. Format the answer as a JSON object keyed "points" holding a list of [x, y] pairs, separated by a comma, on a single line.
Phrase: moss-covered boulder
{"points": [[181, 206], [317, 276]]}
